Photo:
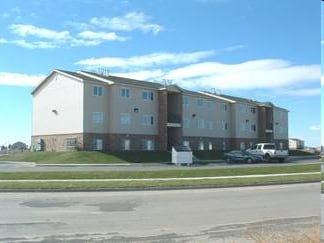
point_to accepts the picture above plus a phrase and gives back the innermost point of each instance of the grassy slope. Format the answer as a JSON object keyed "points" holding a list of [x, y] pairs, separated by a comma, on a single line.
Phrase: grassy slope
{"points": [[87, 157]]}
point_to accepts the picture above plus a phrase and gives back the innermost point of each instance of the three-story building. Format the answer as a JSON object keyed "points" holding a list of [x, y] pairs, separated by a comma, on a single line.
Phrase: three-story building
{"points": [[89, 111]]}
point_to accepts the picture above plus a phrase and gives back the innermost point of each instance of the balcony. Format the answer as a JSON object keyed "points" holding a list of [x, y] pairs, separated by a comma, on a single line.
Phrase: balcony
{"points": [[174, 120]]}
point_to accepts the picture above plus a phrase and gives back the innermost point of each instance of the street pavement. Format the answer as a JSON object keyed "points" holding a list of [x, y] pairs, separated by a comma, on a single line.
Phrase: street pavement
{"points": [[249, 214]]}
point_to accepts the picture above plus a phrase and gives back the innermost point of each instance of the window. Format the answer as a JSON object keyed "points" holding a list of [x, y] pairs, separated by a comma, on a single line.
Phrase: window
{"points": [[201, 123], [147, 120], [186, 123], [281, 146], [268, 146], [71, 143], [126, 144], [148, 144], [224, 147], [224, 125], [210, 146], [125, 119], [242, 146], [185, 101], [124, 92], [253, 110], [97, 117], [242, 109], [243, 126], [201, 145], [224, 107], [97, 144], [253, 127], [209, 104], [147, 95], [97, 90], [210, 125], [200, 102], [186, 143]]}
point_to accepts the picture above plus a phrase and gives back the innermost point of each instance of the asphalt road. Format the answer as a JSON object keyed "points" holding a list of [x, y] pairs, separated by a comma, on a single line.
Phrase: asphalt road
{"points": [[206, 215], [22, 166]]}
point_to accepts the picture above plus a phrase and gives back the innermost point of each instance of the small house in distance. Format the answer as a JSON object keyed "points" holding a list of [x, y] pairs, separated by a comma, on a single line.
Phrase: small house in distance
{"points": [[295, 143]]}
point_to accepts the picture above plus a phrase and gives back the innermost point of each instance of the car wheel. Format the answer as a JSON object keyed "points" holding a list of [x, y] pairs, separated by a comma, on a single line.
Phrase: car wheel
{"points": [[228, 160], [267, 158], [249, 160]]}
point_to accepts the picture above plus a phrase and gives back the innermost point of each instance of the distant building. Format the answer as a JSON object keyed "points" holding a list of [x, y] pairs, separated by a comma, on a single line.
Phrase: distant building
{"points": [[88, 111], [295, 143]]}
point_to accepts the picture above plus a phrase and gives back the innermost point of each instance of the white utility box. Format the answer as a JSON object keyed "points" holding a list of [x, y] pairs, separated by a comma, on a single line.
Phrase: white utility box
{"points": [[181, 155]]}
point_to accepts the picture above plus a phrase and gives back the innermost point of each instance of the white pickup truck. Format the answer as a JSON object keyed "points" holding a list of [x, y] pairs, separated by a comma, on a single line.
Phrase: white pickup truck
{"points": [[269, 152]]}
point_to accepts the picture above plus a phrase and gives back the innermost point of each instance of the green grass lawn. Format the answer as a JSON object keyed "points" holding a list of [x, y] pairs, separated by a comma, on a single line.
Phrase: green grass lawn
{"points": [[98, 185], [89, 157], [176, 173]]}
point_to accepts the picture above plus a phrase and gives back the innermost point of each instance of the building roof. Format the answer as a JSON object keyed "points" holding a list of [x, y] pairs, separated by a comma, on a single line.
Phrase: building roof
{"points": [[110, 79], [126, 81]]}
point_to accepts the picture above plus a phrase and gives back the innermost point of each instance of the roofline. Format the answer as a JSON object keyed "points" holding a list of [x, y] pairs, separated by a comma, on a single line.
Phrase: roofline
{"points": [[217, 97], [96, 77], [54, 71]]}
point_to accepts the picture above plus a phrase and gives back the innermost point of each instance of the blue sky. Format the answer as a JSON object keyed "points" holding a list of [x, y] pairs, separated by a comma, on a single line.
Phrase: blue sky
{"points": [[265, 50]]}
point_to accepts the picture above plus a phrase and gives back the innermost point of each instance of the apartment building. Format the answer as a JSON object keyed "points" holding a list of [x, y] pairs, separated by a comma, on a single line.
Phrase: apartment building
{"points": [[89, 111]]}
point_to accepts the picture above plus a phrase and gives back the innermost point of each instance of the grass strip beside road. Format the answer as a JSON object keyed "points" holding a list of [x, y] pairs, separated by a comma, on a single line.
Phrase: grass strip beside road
{"points": [[177, 173], [115, 185]]}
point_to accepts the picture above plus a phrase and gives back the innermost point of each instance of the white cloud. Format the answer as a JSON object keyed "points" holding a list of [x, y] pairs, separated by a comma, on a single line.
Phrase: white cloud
{"points": [[109, 36], [315, 127], [129, 22], [19, 79], [303, 92], [142, 75], [263, 73], [153, 59], [3, 41], [39, 38], [35, 44], [25, 30]]}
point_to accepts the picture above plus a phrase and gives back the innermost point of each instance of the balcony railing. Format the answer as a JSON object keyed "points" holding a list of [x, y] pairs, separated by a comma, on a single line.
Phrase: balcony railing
{"points": [[174, 118]]}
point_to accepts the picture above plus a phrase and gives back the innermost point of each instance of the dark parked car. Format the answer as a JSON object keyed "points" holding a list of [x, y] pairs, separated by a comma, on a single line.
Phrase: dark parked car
{"points": [[242, 156]]}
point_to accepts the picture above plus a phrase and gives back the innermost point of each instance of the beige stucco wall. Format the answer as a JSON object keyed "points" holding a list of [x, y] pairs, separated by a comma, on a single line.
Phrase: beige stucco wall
{"points": [[112, 105], [125, 105], [214, 114], [94, 103], [64, 95], [242, 115], [280, 123]]}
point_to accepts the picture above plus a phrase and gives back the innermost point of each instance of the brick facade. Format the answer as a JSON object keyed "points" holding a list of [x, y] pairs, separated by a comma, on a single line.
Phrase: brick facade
{"points": [[111, 142]]}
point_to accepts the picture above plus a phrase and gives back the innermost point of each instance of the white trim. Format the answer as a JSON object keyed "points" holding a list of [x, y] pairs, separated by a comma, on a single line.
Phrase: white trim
{"points": [[217, 97], [65, 74], [95, 77], [50, 74]]}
